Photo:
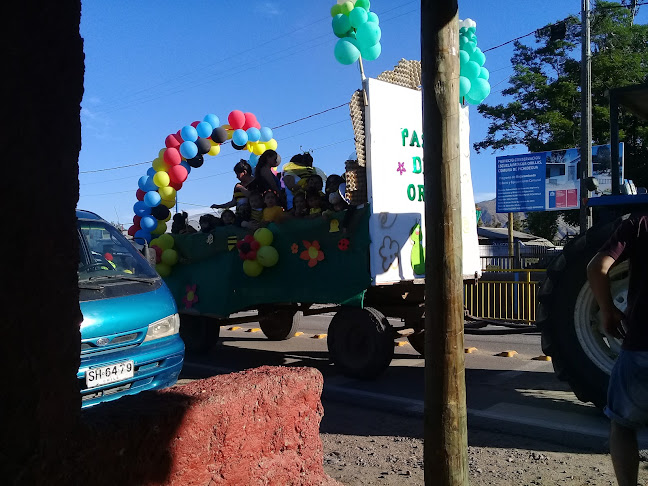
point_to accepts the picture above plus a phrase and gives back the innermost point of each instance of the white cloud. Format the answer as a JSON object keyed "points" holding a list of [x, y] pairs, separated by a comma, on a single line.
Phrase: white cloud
{"points": [[269, 8]]}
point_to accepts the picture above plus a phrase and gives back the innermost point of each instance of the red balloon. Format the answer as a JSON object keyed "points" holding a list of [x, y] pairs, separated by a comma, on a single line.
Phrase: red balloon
{"points": [[236, 119], [178, 136], [255, 245], [158, 253], [136, 220], [178, 174], [133, 229], [248, 238], [171, 141], [257, 125], [176, 185], [250, 120], [195, 124], [172, 156], [140, 195]]}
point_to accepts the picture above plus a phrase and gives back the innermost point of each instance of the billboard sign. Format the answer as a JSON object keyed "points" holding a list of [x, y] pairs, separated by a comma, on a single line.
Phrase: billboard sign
{"points": [[549, 181]]}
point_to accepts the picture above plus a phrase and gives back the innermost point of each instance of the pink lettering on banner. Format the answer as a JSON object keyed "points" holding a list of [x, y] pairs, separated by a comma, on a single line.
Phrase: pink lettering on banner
{"points": [[572, 198], [561, 199]]}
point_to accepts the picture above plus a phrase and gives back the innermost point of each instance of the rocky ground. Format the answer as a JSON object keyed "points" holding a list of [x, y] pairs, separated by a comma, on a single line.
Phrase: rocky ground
{"points": [[375, 448]]}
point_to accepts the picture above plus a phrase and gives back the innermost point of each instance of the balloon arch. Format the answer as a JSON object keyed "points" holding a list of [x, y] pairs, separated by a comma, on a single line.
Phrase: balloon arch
{"points": [[183, 151]]}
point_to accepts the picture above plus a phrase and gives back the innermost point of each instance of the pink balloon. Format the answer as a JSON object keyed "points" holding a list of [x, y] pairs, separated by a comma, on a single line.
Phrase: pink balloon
{"points": [[250, 120], [172, 156], [178, 174], [171, 141], [257, 125], [236, 119]]}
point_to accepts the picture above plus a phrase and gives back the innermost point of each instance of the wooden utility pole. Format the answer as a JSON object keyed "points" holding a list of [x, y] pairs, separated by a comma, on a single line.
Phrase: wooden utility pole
{"points": [[445, 434], [586, 116], [511, 249]]}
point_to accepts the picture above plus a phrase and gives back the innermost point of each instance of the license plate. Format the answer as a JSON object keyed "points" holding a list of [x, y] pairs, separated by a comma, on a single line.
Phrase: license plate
{"points": [[110, 374]]}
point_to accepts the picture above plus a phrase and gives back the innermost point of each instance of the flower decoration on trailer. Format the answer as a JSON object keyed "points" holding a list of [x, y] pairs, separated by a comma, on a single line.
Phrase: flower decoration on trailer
{"points": [[256, 252], [190, 297], [358, 31], [313, 253], [473, 79], [183, 151]]}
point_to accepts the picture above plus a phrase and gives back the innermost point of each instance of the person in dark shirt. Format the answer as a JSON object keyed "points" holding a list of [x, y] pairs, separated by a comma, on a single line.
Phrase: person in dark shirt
{"points": [[627, 405]]}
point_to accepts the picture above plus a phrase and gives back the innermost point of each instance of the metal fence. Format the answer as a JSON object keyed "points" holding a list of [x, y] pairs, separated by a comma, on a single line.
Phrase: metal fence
{"points": [[496, 257], [504, 294]]}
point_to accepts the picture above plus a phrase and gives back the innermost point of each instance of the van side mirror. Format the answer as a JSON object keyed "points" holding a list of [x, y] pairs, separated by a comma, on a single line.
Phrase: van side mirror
{"points": [[150, 254]]}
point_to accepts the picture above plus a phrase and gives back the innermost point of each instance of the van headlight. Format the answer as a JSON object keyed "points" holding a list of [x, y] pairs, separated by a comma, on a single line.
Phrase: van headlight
{"points": [[163, 328]]}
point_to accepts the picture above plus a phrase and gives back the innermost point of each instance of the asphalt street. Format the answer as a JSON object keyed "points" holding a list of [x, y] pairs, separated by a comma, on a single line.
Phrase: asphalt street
{"points": [[509, 387]]}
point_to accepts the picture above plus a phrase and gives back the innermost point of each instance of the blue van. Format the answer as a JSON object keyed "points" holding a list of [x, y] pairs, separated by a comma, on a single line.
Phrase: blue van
{"points": [[129, 333]]}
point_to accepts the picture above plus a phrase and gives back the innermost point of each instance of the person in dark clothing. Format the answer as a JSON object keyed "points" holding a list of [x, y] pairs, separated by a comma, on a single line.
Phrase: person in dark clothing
{"points": [[181, 224], [627, 405]]}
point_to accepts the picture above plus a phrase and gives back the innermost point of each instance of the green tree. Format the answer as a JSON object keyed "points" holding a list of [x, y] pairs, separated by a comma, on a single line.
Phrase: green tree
{"points": [[544, 224], [545, 111]]}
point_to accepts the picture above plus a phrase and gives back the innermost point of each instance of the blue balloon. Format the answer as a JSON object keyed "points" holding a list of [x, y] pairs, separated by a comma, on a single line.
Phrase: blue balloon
{"points": [[141, 209], [141, 183], [142, 236], [189, 134], [266, 134], [212, 120], [254, 159], [186, 165], [151, 172], [188, 149], [254, 134], [146, 183], [240, 137], [148, 223], [371, 53], [152, 199], [204, 129]]}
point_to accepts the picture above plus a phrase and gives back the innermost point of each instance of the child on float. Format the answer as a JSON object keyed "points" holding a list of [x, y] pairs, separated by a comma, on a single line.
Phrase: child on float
{"points": [[244, 217], [299, 207], [273, 212], [209, 222], [256, 206], [315, 202], [295, 174], [266, 179], [228, 217], [246, 184]]}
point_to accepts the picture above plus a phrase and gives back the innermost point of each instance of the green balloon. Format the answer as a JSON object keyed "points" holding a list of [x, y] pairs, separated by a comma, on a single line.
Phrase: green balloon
{"points": [[372, 17], [479, 89], [463, 30], [336, 9], [169, 257], [371, 53], [478, 56], [464, 86], [267, 256], [345, 52], [484, 74], [363, 4], [346, 8], [470, 70], [469, 47], [163, 269], [368, 34], [463, 40], [357, 17], [463, 57], [341, 25]]}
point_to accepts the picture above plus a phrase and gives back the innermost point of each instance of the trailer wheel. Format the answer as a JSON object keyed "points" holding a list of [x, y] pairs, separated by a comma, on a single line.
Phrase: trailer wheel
{"points": [[279, 324], [569, 317], [360, 342], [199, 333]]}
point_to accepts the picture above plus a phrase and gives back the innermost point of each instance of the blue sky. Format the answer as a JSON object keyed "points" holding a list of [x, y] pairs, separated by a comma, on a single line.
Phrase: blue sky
{"points": [[153, 67]]}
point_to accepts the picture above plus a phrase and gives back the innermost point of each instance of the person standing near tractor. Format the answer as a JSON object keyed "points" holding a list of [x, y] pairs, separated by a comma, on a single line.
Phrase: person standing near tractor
{"points": [[627, 404]]}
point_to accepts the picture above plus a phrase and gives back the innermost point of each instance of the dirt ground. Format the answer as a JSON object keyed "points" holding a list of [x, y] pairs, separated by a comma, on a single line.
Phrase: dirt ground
{"points": [[375, 448]]}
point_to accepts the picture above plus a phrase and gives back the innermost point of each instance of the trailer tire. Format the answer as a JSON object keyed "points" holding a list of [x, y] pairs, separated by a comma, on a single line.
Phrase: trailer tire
{"points": [[199, 333], [360, 342], [568, 317], [279, 324]]}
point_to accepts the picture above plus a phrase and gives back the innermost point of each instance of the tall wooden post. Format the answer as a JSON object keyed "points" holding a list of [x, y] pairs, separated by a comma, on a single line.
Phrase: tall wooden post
{"points": [[511, 250], [446, 444]]}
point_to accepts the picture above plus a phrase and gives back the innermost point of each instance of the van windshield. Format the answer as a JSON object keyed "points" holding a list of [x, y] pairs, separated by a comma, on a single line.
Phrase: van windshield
{"points": [[105, 253]]}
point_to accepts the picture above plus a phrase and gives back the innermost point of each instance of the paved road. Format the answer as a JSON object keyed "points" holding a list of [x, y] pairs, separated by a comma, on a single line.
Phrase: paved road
{"points": [[517, 394]]}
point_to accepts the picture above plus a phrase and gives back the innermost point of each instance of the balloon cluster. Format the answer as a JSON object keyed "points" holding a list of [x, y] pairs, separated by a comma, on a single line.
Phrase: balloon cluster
{"points": [[165, 255], [357, 29], [185, 150], [256, 252], [473, 80]]}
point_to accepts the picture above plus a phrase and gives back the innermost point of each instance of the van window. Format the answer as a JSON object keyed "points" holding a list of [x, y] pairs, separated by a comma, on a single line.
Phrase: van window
{"points": [[104, 252]]}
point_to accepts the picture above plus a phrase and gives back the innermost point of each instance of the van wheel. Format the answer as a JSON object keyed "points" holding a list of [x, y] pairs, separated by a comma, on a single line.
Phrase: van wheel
{"points": [[360, 342], [199, 333], [279, 324]]}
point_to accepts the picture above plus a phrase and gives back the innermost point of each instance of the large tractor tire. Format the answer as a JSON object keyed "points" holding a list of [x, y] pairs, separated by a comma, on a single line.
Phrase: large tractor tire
{"points": [[199, 333], [569, 317], [279, 324], [360, 342]]}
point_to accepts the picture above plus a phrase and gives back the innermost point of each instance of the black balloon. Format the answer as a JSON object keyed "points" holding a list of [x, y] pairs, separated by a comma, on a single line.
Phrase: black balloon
{"points": [[160, 212], [203, 145], [238, 147], [219, 135], [196, 162]]}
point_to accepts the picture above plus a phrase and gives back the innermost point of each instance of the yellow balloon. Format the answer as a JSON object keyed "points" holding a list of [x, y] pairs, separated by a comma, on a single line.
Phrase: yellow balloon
{"points": [[250, 146], [252, 268], [160, 230], [163, 269], [165, 241], [167, 218], [169, 203], [271, 144], [259, 148], [159, 164], [168, 193], [161, 153], [229, 131], [161, 179], [214, 150]]}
